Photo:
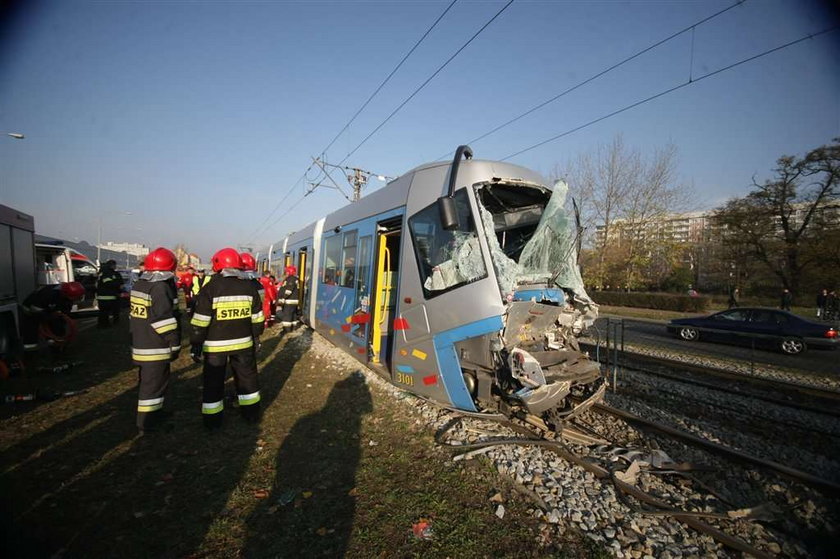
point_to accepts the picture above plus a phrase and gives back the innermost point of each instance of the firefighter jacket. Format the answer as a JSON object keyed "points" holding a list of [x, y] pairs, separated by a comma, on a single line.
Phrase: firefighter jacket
{"points": [[289, 292], [198, 283], [251, 277], [108, 285], [228, 314], [153, 316]]}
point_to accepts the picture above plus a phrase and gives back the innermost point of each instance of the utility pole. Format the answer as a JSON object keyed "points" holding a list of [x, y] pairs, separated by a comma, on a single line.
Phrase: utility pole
{"points": [[358, 179]]}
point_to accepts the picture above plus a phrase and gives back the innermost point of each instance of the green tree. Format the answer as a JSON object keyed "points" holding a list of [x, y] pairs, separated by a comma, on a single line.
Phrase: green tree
{"points": [[782, 222]]}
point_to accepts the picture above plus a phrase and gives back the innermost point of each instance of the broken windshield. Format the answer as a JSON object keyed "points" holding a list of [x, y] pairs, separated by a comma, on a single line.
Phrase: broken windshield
{"points": [[534, 241], [446, 259]]}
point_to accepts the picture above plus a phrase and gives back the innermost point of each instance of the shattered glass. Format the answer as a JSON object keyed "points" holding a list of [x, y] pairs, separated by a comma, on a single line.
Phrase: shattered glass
{"points": [[460, 262], [447, 259], [550, 253], [507, 270]]}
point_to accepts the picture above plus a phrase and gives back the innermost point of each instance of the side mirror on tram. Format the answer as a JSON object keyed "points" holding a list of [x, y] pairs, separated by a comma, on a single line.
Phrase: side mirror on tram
{"points": [[448, 213], [446, 204]]}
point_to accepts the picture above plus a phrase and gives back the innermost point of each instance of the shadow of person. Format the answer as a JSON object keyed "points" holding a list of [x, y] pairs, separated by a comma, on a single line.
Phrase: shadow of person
{"points": [[105, 492], [312, 506]]}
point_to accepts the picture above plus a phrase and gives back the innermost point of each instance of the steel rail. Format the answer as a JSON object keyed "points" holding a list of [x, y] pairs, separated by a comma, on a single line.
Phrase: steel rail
{"points": [[640, 360], [792, 473], [559, 448]]}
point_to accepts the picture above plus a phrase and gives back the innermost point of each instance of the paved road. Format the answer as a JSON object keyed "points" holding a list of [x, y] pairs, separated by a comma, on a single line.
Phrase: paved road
{"points": [[654, 334]]}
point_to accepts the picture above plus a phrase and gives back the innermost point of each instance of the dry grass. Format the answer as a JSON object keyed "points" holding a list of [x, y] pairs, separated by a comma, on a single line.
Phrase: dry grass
{"points": [[335, 469]]}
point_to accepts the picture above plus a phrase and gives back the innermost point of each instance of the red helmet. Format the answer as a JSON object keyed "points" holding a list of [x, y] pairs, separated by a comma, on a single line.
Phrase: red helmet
{"points": [[248, 262], [291, 271], [73, 290], [160, 260], [226, 258]]}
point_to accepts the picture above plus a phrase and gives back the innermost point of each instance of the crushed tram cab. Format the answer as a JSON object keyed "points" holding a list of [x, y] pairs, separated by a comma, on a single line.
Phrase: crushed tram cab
{"points": [[459, 283]]}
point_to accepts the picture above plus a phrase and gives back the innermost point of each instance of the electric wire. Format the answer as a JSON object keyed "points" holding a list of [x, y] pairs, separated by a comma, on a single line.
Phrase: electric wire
{"points": [[598, 75], [643, 101], [671, 90], [387, 79], [425, 83], [365, 104], [259, 228]]}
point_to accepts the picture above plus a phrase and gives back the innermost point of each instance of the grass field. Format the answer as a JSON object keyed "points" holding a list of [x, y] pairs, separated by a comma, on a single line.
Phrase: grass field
{"points": [[336, 468]]}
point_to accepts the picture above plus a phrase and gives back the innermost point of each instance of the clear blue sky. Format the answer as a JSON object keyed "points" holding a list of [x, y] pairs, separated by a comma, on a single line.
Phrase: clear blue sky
{"points": [[198, 117]]}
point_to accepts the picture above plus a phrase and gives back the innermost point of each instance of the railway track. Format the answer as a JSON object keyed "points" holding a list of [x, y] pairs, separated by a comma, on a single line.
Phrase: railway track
{"points": [[830, 487], [600, 459], [790, 394], [654, 505]]}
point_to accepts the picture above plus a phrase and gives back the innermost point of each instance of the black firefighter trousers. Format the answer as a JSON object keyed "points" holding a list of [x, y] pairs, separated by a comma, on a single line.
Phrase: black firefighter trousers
{"points": [[154, 379], [244, 365]]}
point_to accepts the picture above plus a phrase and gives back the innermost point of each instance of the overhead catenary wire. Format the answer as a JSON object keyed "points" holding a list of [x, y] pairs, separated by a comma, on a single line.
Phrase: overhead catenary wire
{"points": [[425, 83], [643, 101], [388, 78], [357, 113], [599, 74], [671, 90], [259, 228]]}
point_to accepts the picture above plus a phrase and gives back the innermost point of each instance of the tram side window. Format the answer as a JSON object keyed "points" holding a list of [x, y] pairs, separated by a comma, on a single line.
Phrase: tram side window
{"points": [[446, 259], [348, 273], [332, 262]]}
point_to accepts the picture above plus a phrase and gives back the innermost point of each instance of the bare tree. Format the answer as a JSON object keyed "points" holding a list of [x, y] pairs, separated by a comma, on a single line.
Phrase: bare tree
{"points": [[627, 196]]}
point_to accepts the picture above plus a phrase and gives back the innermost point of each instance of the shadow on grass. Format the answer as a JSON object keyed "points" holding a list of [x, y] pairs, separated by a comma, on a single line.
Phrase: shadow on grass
{"points": [[312, 505], [90, 487]]}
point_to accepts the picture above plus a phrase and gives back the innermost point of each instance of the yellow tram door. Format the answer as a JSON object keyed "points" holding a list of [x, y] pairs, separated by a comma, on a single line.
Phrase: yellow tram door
{"points": [[302, 281], [386, 282]]}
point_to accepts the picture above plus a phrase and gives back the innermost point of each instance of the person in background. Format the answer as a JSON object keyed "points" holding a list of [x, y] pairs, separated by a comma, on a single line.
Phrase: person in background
{"points": [[155, 334], [107, 293], [288, 297], [200, 280], [43, 306], [832, 306], [734, 297], [270, 295], [822, 297], [186, 280], [787, 299], [249, 272], [274, 302]]}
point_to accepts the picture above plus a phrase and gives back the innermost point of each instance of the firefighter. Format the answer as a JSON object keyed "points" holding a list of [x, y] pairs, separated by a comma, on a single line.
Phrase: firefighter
{"points": [[199, 281], [48, 306], [155, 333], [249, 272], [108, 293], [268, 299], [288, 297], [226, 326]]}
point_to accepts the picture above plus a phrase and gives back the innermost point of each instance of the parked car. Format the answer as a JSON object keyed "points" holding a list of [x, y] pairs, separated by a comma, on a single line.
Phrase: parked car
{"points": [[766, 327]]}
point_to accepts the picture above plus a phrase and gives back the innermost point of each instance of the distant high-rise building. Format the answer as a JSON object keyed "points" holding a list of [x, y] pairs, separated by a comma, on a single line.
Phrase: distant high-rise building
{"points": [[134, 249]]}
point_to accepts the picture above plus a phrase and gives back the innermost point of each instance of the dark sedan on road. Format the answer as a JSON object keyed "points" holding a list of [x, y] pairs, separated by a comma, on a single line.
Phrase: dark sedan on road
{"points": [[765, 327]]}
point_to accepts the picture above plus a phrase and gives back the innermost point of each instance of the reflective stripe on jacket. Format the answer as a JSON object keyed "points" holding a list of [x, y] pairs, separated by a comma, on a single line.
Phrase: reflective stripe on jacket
{"points": [[153, 318], [228, 315]]}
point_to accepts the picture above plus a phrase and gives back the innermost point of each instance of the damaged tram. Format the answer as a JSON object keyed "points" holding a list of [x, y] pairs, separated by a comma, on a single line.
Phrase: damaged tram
{"points": [[457, 282]]}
